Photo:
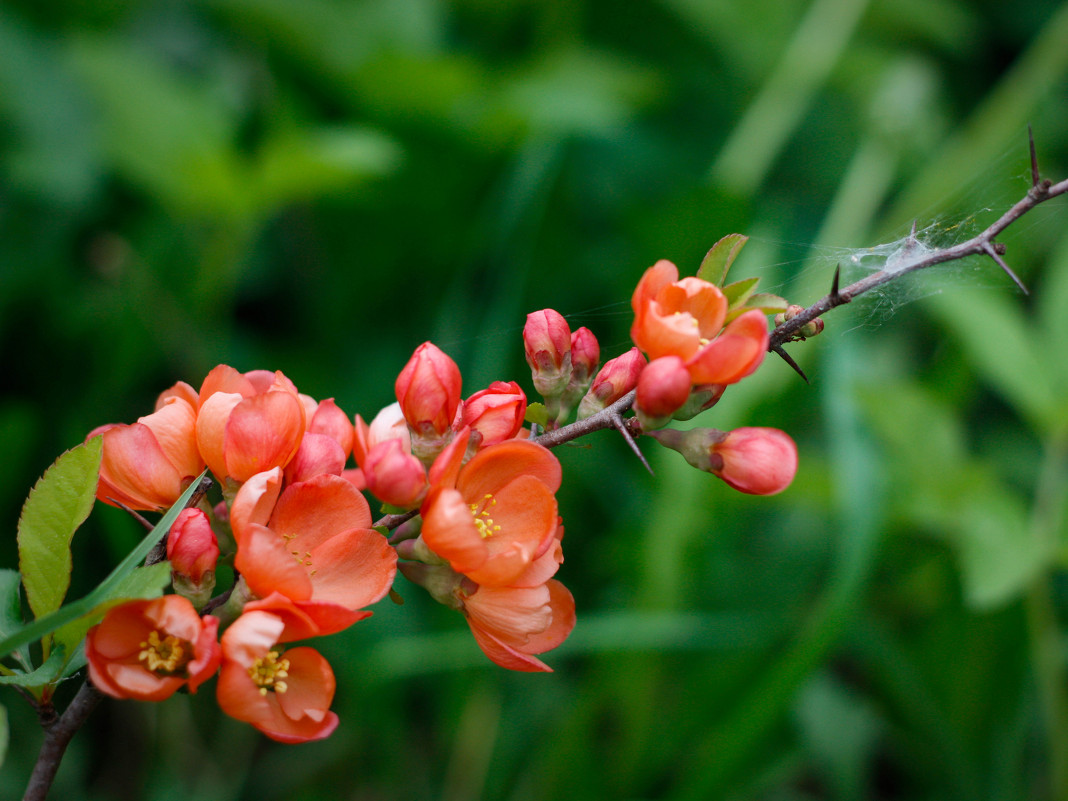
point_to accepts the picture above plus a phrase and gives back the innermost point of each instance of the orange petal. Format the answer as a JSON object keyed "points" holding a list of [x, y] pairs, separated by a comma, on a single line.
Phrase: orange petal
{"points": [[174, 425], [492, 467], [734, 354], [134, 463], [353, 569], [319, 508], [268, 566], [211, 429], [262, 432], [449, 530], [255, 501]]}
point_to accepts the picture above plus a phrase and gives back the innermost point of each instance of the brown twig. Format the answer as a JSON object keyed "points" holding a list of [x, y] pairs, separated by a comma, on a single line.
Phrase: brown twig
{"points": [[1041, 190], [57, 739]]}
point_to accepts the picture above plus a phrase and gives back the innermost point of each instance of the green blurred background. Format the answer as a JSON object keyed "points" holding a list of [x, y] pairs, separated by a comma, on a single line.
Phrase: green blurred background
{"points": [[318, 186]]}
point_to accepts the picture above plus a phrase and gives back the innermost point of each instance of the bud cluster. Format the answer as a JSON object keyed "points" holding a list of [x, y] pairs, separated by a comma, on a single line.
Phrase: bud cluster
{"points": [[469, 492]]}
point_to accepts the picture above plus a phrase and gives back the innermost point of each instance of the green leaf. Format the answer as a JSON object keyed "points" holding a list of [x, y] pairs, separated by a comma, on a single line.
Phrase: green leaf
{"points": [[11, 611], [537, 414], [999, 552], [738, 293], [718, 260], [45, 674], [1008, 352], [766, 302], [56, 506], [144, 582], [49, 623]]}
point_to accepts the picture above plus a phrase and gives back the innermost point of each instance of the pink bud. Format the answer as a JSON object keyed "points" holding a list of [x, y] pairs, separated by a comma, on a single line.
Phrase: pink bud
{"points": [[759, 461], [428, 390], [496, 412], [618, 377], [394, 476], [585, 356], [192, 548], [663, 387], [547, 345]]}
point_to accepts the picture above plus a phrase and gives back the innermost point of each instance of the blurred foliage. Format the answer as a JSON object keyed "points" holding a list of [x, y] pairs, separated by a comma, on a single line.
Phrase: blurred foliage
{"points": [[318, 186]]}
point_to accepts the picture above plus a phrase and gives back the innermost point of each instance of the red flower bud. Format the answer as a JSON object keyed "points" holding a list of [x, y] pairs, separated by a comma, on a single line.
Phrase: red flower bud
{"points": [[496, 412], [663, 387], [585, 356], [547, 345], [394, 476], [759, 461], [618, 377], [193, 550], [428, 390]]}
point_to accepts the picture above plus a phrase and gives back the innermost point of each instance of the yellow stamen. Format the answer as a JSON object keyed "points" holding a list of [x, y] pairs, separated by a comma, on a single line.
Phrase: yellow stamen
{"points": [[167, 656], [483, 522], [267, 671]]}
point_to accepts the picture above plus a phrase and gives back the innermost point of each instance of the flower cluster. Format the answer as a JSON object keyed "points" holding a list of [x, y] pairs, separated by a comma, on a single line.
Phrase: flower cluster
{"points": [[469, 491]]}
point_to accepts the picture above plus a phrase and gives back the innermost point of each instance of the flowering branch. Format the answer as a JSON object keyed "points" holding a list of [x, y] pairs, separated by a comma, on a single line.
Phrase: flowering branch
{"points": [[1041, 190]]}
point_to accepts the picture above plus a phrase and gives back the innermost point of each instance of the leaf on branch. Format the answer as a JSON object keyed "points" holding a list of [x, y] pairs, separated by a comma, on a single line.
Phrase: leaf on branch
{"points": [[738, 292], [718, 260], [537, 414], [47, 673], [11, 611], [57, 505]]}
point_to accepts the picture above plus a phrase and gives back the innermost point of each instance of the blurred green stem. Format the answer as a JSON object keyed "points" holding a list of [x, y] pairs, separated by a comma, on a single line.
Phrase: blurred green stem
{"points": [[1045, 635]]}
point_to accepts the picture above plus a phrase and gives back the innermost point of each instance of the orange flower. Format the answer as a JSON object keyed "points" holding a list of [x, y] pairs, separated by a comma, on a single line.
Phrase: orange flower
{"points": [[147, 465], [147, 650], [496, 412], [248, 423], [313, 545], [493, 516], [685, 318], [511, 624], [284, 694]]}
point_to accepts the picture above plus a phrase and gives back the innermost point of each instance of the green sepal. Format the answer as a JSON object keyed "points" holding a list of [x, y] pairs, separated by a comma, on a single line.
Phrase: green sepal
{"points": [[47, 673], [718, 260], [537, 414], [56, 506]]}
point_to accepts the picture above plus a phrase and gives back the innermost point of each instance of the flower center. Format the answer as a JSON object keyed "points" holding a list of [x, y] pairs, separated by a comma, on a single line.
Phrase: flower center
{"points": [[483, 522], [167, 656], [267, 672]]}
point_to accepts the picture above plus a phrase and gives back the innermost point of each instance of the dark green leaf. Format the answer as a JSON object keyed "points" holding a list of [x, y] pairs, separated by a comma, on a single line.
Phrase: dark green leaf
{"points": [[45, 674]]}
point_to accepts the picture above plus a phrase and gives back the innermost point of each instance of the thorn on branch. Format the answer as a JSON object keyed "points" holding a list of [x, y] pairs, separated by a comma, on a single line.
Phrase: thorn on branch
{"points": [[835, 298], [1039, 187], [621, 426], [786, 357], [994, 252]]}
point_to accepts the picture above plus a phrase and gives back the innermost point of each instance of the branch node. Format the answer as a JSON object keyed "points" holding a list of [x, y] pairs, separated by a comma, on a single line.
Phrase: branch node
{"points": [[995, 252], [786, 357]]}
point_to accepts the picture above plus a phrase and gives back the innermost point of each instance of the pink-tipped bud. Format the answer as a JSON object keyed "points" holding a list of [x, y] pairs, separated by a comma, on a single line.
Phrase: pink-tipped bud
{"points": [[663, 387], [547, 345], [496, 412], [193, 550], [615, 379], [394, 476], [585, 356], [428, 390], [758, 461]]}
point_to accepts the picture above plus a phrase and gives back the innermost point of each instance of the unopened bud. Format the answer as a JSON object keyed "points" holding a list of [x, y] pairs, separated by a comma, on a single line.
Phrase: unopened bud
{"points": [[811, 328], [547, 346], [663, 388], [758, 461], [496, 412], [618, 377], [428, 391], [394, 476], [193, 550]]}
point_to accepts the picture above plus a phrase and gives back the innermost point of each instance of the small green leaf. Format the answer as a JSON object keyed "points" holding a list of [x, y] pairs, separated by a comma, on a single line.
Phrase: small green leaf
{"points": [[537, 414], [56, 506], [11, 611], [718, 260], [767, 303], [738, 293], [45, 674], [144, 582]]}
